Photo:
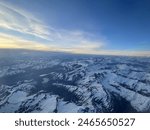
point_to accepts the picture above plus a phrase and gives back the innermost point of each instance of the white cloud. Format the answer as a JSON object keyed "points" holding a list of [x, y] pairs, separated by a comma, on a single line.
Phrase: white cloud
{"points": [[16, 19], [74, 41], [123, 53], [13, 18], [8, 41]]}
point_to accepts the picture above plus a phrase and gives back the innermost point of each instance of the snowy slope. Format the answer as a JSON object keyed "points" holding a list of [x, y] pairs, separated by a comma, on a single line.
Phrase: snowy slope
{"points": [[51, 82]]}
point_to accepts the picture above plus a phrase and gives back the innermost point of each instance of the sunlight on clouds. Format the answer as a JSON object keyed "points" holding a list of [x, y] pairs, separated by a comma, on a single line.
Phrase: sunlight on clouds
{"points": [[73, 41], [12, 18], [123, 53], [7, 41]]}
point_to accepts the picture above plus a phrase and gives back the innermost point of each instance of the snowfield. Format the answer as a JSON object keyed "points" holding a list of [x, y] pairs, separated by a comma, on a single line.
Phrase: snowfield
{"points": [[32, 81]]}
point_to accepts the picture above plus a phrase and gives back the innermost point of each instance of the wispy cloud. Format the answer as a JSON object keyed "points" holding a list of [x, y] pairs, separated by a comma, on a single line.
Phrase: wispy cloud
{"points": [[123, 53], [13, 18], [75, 41], [18, 20], [8, 41]]}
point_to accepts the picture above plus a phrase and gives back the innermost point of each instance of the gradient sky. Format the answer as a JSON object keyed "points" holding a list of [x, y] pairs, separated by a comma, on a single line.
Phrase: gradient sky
{"points": [[117, 27]]}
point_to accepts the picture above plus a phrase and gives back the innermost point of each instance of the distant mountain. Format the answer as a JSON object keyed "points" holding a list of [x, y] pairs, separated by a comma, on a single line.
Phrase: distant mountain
{"points": [[35, 81]]}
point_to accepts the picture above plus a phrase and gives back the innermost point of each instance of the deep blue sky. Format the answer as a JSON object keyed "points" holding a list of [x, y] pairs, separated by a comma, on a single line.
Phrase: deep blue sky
{"points": [[119, 24]]}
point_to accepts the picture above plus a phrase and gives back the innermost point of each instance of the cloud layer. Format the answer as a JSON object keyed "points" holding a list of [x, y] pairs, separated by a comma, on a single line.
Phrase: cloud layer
{"points": [[17, 20], [43, 37]]}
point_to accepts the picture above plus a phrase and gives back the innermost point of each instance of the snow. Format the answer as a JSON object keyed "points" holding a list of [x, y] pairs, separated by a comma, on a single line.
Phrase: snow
{"points": [[9, 108], [139, 102], [45, 80], [92, 80], [122, 67], [99, 91], [49, 104], [43, 75], [17, 97], [64, 107], [14, 101]]}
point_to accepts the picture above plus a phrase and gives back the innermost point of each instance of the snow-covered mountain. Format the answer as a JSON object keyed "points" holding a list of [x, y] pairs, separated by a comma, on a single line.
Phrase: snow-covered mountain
{"points": [[32, 81]]}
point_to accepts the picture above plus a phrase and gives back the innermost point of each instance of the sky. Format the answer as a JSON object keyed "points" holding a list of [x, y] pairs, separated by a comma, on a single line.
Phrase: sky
{"points": [[113, 27]]}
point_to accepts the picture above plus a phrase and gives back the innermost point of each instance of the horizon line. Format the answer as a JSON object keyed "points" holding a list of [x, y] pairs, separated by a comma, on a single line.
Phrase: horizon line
{"points": [[97, 54]]}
